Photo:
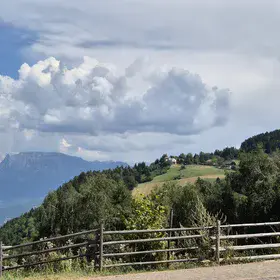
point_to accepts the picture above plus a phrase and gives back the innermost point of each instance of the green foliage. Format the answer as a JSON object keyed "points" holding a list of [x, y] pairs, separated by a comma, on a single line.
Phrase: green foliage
{"points": [[227, 153], [257, 181], [208, 158], [147, 213], [21, 229], [65, 266], [182, 199], [78, 205], [269, 142], [73, 208], [210, 194]]}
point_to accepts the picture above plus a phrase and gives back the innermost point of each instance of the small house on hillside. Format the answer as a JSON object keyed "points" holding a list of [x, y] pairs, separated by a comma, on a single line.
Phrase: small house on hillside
{"points": [[171, 160]]}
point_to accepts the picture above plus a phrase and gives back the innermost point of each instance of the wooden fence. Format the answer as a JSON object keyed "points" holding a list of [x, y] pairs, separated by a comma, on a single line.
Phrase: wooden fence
{"points": [[109, 249]]}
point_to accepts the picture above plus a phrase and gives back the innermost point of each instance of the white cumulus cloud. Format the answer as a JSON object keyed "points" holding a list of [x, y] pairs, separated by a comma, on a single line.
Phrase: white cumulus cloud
{"points": [[94, 98]]}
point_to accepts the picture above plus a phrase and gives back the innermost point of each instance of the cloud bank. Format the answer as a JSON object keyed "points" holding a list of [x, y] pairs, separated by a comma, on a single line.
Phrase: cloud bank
{"points": [[139, 111], [95, 99]]}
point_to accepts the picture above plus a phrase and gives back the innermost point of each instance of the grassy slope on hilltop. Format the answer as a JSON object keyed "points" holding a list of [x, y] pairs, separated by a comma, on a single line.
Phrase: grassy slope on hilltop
{"points": [[187, 175]]}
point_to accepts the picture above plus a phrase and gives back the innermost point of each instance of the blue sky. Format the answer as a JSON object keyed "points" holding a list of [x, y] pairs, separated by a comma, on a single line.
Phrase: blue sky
{"points": [[13, 41], [131, 80]]}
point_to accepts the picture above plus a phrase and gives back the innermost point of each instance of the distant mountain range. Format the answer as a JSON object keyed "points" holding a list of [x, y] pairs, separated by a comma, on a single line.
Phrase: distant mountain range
{"points": [[26, 178]]}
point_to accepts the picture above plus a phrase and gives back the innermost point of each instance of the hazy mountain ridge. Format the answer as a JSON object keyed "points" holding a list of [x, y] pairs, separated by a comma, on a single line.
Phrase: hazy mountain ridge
{"points": [[31, 175]]}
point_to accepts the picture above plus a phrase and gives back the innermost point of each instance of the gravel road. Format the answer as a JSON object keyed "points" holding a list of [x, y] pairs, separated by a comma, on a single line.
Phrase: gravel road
{"points": [[269, 270]]}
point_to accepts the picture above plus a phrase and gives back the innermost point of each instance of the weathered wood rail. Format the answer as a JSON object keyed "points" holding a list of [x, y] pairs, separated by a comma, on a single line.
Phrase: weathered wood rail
{"points": [[180, 245], [7, 256]]}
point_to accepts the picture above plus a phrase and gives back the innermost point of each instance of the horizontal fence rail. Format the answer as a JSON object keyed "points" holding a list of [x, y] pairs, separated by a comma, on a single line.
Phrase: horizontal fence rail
{"points": [[251, 225], [156, 230], [7, 248], [152, 239], [253, 235], [79, 245], [8, 256], [109, 249]]}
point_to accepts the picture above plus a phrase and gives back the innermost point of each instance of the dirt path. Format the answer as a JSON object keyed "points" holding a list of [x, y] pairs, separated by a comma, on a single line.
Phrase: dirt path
{"points": [[257, 271]]}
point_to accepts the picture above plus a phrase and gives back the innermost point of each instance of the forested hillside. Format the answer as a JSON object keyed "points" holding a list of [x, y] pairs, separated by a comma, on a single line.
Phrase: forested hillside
{"points": [[270, 141], [250, 193], [83, 202]]}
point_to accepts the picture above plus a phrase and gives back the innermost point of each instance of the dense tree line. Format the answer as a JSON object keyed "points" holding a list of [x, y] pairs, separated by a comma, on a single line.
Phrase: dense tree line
{"points": [[269, 141], [216, 158]]}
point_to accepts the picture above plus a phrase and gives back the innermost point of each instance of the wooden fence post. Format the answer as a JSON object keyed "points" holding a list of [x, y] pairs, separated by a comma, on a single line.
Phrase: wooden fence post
{"points": [[96, 250], [1, 259], [218, 233], [170, 233], [101, 247]]}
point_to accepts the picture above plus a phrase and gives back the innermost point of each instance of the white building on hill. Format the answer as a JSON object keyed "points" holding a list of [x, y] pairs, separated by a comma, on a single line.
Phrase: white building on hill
{"points": [[171, 160]]}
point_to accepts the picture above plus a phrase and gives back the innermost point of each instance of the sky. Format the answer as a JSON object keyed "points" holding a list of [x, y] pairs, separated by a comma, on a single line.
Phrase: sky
{"points": [[133, 79]]}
